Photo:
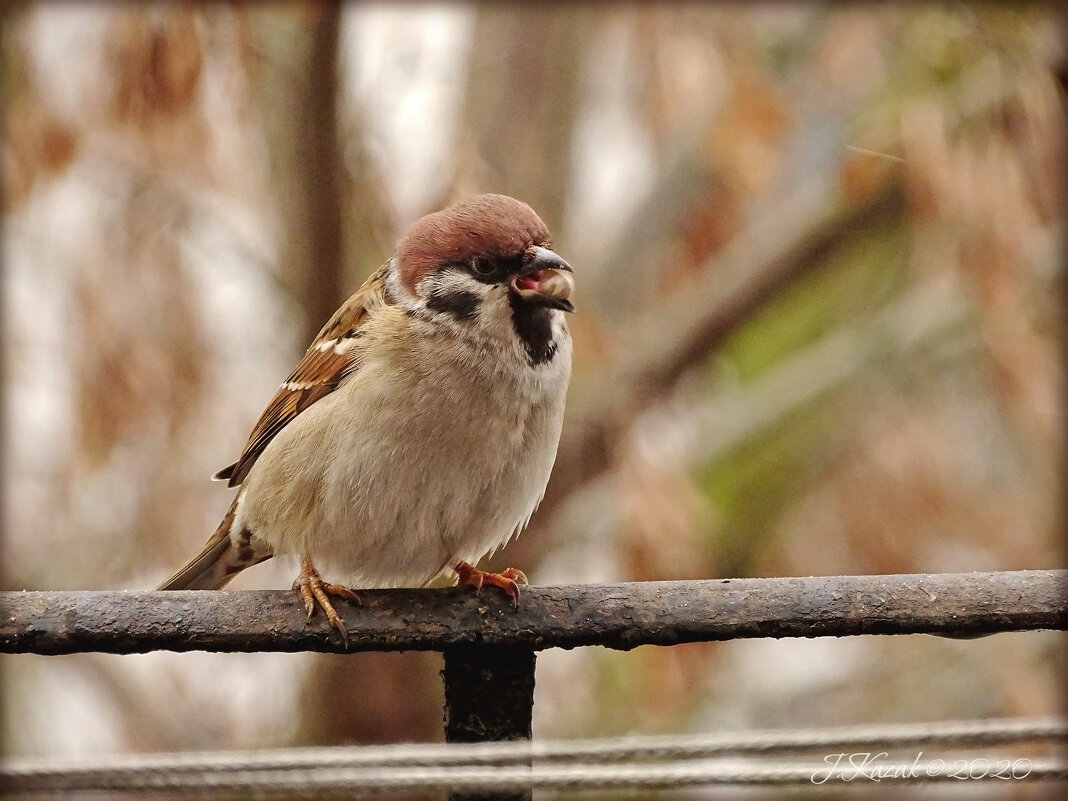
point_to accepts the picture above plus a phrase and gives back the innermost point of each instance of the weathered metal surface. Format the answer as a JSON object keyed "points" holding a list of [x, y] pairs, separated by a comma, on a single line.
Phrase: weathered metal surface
{"points": [[619, 616], [489, 696]]}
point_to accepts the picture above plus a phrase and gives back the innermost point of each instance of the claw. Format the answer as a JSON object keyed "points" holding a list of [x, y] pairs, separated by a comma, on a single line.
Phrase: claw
{"points": [[313, 590], [508, 580]]}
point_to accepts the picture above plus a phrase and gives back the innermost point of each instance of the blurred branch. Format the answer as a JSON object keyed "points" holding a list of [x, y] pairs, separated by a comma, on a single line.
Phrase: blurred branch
{"points": [[631, 262], [792, 239], [924, 317], [793, 236], [619, 616], [917, 333]]}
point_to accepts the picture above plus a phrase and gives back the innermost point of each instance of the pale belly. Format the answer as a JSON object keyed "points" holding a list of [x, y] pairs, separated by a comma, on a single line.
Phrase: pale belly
{"points": [[383, 487]]}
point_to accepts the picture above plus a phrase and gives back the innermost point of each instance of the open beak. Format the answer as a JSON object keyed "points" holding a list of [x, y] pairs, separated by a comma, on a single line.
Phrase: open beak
{"points": [[545, 280]]}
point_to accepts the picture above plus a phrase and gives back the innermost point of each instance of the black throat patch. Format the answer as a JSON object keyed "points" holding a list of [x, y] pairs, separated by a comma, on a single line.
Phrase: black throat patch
{"points": [[533, 325]]}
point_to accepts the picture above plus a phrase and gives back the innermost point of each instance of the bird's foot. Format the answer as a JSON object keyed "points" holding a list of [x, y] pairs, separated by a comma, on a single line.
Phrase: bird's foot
{"points": [[313, 590], [508, 580]]}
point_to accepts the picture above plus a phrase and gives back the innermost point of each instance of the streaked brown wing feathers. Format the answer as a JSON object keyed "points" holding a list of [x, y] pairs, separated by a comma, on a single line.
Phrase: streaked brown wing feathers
{"points": [[332, 355]]}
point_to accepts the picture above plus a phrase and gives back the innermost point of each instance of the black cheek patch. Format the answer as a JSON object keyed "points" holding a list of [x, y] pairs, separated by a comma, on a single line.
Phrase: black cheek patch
{"points": [[458, 303]]}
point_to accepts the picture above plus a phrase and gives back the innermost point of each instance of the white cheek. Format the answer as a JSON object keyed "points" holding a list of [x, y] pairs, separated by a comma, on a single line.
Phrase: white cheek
{"points": [[451, 281], [561, 333], [495, 305], [494, 312]]}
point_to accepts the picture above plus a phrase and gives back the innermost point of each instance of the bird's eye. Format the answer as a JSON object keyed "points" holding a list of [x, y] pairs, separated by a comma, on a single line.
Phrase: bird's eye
{"points": [[482, 266]]}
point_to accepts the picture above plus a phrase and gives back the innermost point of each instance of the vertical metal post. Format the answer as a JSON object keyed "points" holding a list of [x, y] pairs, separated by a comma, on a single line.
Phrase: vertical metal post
{"points": [[489, 695]]}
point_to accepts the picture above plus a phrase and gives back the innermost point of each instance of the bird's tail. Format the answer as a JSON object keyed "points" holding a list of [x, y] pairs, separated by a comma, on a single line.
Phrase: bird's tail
{"points": [[219, 560]]}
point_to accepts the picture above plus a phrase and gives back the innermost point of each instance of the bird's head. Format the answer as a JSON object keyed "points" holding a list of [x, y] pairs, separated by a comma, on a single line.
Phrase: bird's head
{"points": [[486, 263]]}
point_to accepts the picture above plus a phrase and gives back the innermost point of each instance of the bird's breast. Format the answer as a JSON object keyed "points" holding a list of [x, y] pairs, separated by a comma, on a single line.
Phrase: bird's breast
{"points": [[423, 456]]}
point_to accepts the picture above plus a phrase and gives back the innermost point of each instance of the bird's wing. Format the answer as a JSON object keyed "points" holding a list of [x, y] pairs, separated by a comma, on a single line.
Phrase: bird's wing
{"points": [[333, 354]]}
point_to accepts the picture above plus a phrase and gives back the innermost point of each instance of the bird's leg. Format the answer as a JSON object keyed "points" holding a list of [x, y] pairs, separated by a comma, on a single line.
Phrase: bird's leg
{"points": [[313, 590], [508, 580]]}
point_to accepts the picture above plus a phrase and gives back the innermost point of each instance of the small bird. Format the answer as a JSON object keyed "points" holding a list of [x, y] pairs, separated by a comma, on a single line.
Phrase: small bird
{"points": [[418, 432]]}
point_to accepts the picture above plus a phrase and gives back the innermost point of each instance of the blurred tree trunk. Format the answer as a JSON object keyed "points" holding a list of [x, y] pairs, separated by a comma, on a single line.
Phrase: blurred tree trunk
{"points": [[319, 152], [296, 86], [522, 100]]}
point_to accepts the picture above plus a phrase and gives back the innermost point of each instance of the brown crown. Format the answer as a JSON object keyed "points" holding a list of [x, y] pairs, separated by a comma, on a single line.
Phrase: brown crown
{"points": [[496, 226]]}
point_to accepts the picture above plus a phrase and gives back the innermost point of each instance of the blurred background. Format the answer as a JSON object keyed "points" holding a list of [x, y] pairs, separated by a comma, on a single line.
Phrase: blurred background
{"points": [[818, 253]]}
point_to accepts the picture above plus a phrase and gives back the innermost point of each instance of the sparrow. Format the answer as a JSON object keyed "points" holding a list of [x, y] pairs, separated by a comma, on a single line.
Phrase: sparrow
{"points": [[418, 432]]}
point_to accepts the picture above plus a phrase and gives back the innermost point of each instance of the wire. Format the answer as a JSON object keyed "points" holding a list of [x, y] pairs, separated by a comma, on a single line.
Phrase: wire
{"points": [[567, 764], [359, 781]]}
